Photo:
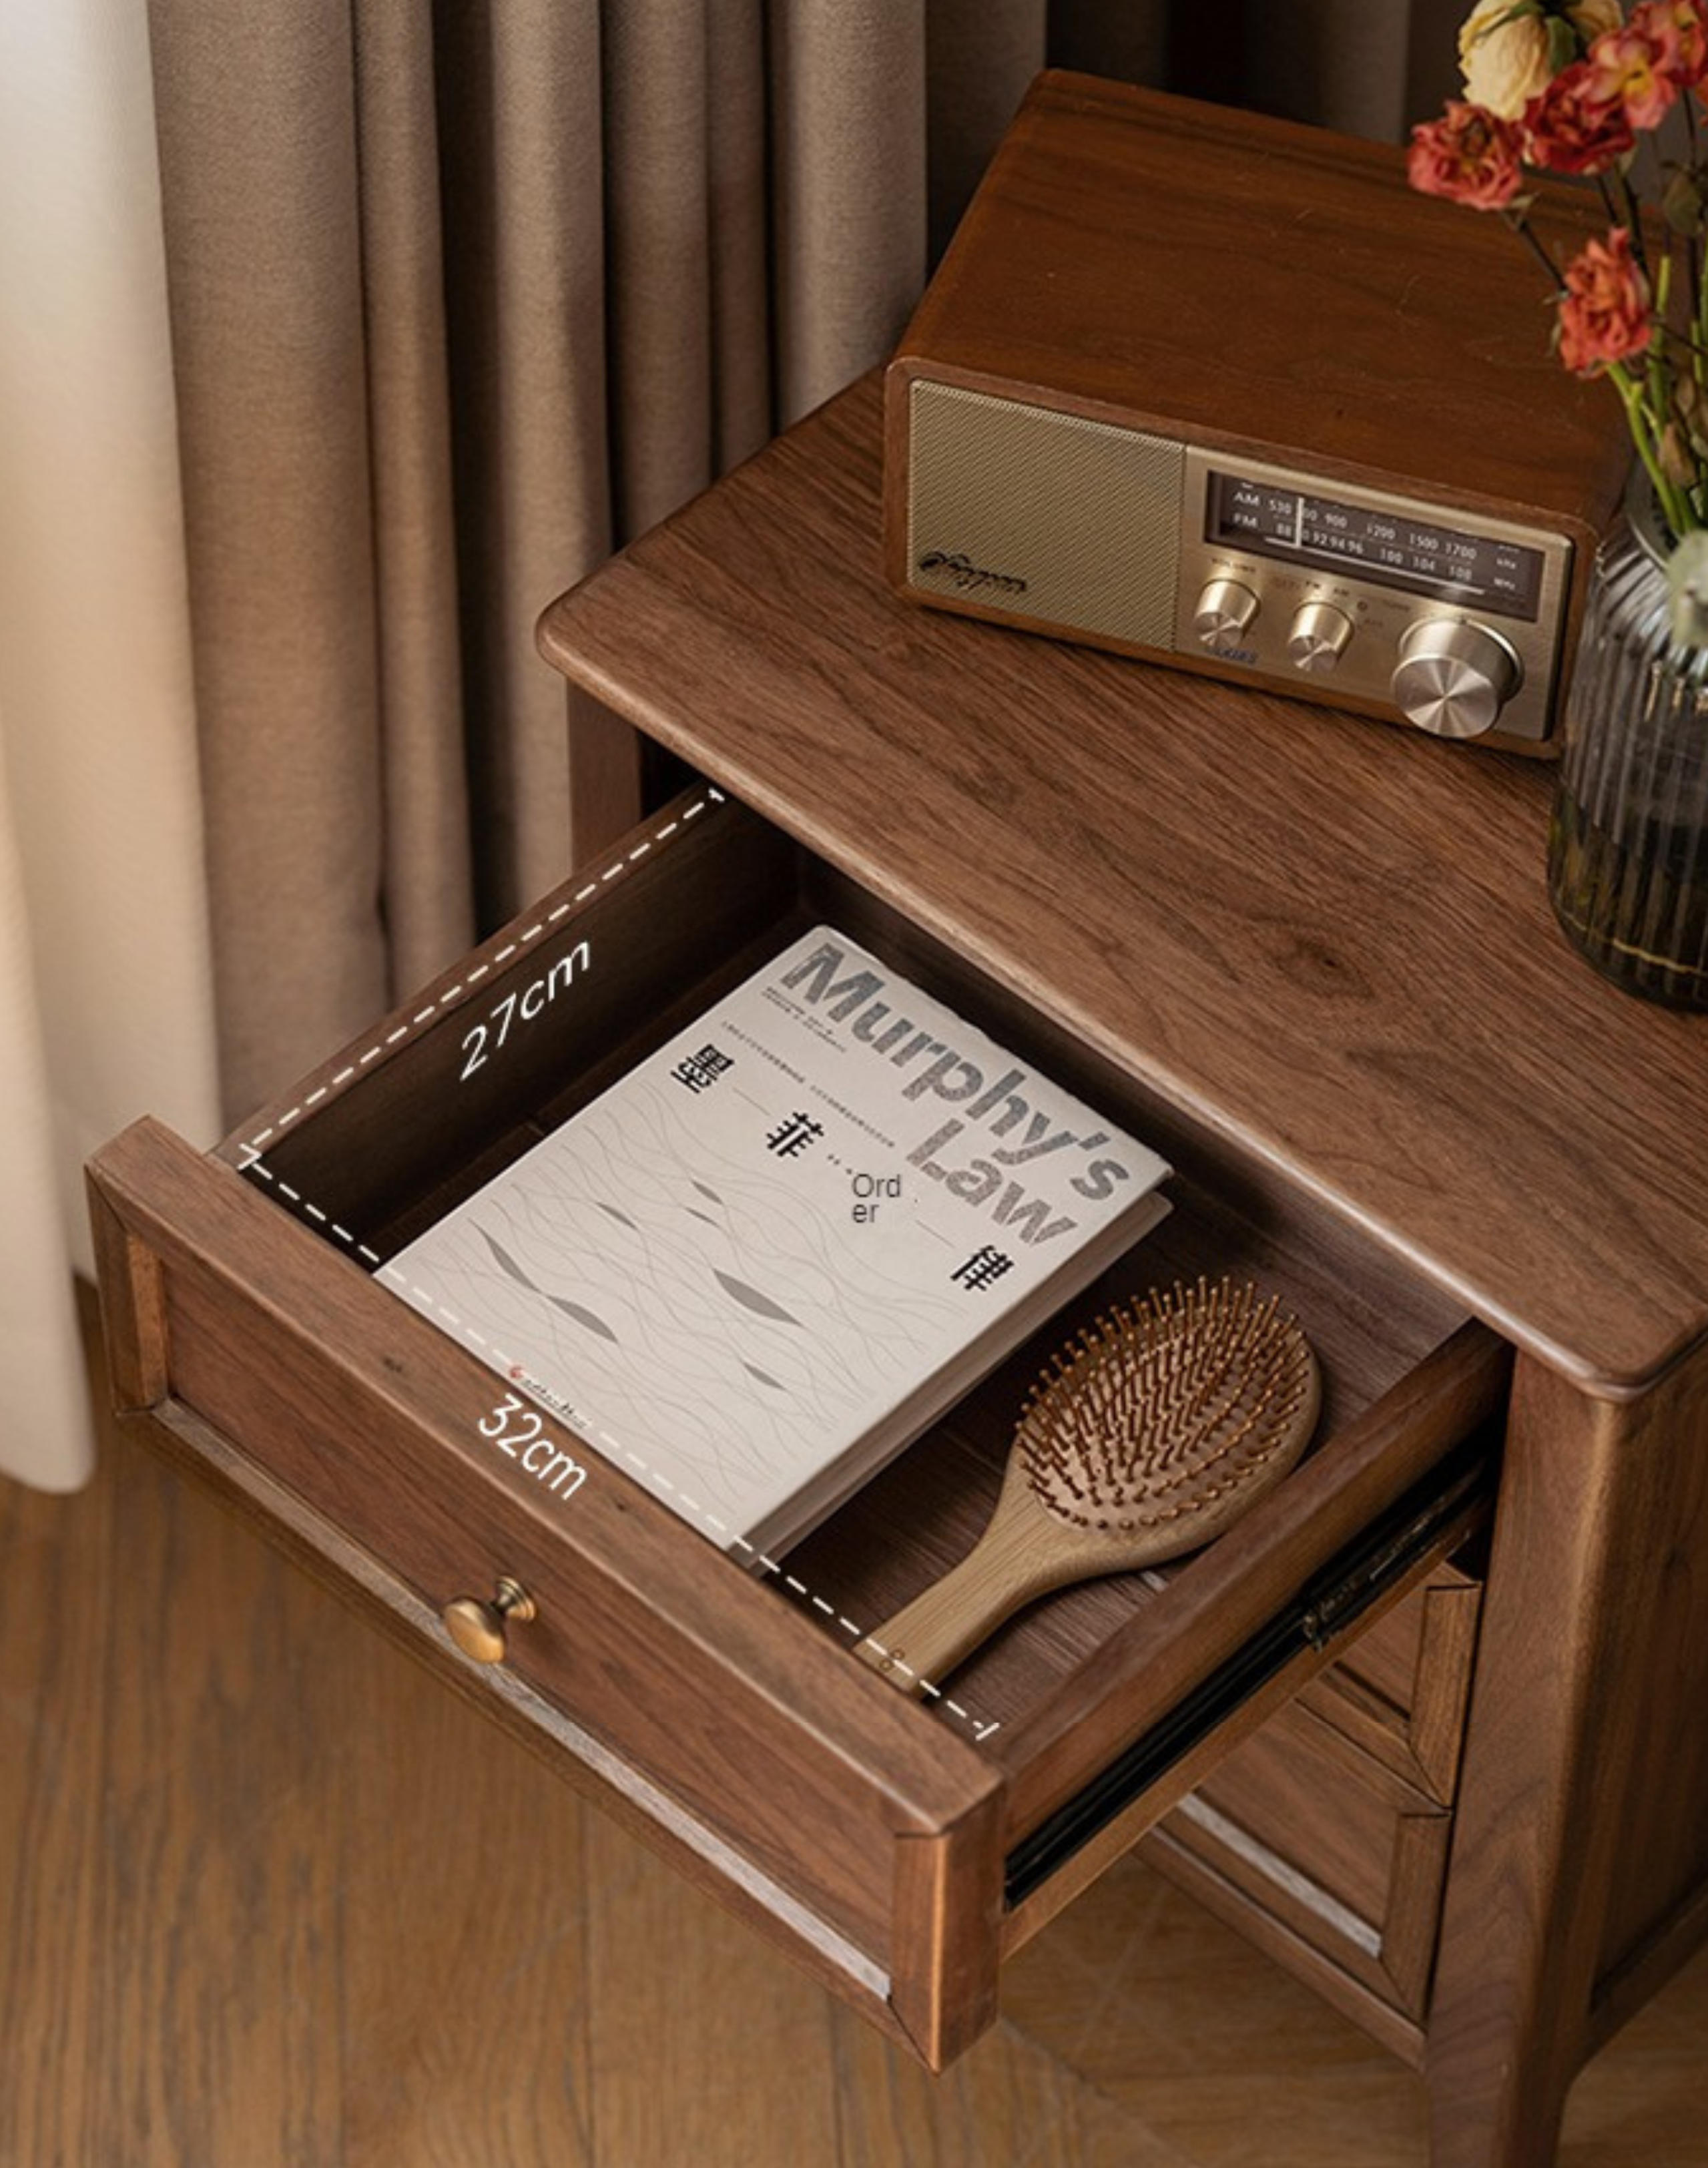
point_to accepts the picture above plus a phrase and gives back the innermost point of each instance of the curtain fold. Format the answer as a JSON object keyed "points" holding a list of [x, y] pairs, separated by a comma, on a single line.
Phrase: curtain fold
{"points": [[979, 61], [1324, 60], [426, 872], [353, 332], [1367, 67], [848, 187], [257, 111], [521, 157], [464, 296]]}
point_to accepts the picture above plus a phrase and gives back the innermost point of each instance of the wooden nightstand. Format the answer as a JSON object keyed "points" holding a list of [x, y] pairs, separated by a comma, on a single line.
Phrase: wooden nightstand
{"points": [[1437, 1703]]}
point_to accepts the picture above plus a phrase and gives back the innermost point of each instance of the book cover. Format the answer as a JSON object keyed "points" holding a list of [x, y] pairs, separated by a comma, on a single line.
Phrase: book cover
{"points": [[772, 1253]]}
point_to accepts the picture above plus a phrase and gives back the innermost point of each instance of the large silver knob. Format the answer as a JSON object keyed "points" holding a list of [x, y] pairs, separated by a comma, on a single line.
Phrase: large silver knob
{"points": [[1225, 608], [1318, 636], [1454, 678]]}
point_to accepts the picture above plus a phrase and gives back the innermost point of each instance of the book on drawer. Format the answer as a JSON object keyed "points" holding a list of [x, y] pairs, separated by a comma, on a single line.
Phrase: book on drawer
{"points": [[765, 1259]]}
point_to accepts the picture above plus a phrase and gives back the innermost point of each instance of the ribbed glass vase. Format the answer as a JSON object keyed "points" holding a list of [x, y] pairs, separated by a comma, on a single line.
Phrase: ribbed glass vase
{"points": [[1628, 844]]}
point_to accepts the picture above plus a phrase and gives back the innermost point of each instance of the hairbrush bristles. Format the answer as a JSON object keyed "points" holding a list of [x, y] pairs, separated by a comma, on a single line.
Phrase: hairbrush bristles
{"points": [[1166, 1405], [1160, 1425]]}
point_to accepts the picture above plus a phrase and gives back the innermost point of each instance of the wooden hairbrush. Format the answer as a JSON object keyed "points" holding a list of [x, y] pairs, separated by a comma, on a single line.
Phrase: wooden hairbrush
{"points": [[1143, 1439]]}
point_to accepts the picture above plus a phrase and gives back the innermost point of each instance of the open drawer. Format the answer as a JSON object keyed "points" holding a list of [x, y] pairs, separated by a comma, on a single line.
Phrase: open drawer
{"points": [[901, 1849]]}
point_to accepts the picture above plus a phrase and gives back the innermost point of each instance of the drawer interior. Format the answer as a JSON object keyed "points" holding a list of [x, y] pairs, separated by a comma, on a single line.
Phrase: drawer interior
{"points": [[424, 1131], [392, 1132]]}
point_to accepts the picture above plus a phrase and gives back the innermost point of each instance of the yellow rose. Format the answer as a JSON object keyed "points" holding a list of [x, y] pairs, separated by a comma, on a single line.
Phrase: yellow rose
{"points": [[1504, 57], [1590, 18]]}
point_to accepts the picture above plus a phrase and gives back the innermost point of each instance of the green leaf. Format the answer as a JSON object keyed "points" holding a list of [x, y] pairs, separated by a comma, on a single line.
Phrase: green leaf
{"points": [[1564, 44], [1677, 461], [1683, 200], [1690, 405]]}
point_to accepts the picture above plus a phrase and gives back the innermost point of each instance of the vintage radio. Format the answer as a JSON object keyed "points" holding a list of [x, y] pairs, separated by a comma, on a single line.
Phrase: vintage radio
{"points": [[1225, 392]]}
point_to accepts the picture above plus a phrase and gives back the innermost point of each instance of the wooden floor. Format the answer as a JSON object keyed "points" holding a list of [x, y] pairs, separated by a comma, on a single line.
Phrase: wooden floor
{"points": [[273, 1899]]}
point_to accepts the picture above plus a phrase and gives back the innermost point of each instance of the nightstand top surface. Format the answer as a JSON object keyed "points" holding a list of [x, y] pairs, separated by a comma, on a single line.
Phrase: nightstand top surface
{"points": [[1326, 938]]}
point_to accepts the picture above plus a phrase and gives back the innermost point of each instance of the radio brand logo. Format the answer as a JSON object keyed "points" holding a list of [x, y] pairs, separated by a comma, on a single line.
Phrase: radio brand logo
{"points": [[967, 578]]}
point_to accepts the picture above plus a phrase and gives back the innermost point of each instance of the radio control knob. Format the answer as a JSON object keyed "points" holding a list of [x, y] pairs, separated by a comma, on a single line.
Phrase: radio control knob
{"points": [[1319, 637], [1225, 608], [1454, 678]]}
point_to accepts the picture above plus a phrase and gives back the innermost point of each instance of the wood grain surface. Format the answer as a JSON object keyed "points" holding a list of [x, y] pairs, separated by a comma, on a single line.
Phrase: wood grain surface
{"points": [[1265, 292], [695, 1675], [274, 1898], [1401, 1694], [1362, 1883], [1247, 281], [1579, 1848], [1326, 939], [878, 1835]]}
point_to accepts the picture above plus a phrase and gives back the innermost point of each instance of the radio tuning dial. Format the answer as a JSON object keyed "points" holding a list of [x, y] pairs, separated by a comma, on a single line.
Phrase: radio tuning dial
{"points": [[1454, 678], [1319, 637], [1225, 608]]}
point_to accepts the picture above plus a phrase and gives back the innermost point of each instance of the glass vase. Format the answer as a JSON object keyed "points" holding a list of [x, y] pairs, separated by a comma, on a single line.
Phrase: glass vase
{"points": [[1628, 843]]}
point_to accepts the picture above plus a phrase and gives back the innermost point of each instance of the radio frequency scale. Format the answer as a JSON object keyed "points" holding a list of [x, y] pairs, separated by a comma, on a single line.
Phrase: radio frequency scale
{"points": [[1225, 392]]}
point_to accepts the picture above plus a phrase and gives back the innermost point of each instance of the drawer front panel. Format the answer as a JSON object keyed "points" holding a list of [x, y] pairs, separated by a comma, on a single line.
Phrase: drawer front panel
{"points": [[1333, 1849], [598, 1647], [807, 1767]]}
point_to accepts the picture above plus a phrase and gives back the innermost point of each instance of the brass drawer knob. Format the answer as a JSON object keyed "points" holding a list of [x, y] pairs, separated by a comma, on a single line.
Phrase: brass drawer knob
{"points": [[478, 1629]]}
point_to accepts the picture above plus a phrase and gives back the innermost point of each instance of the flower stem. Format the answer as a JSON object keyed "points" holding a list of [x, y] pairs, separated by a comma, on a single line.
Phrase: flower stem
{"points": [[1519, 223], [1630, 215], [1674, 503], [1657, 372]]}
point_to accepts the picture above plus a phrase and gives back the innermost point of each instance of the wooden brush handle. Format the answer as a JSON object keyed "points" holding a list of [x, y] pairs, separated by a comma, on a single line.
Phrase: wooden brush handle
{"points": [[1022, 1554]]}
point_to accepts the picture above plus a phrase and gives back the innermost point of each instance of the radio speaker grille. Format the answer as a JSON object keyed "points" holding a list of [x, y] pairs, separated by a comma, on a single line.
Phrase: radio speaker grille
{"points": [[1019, 510]]}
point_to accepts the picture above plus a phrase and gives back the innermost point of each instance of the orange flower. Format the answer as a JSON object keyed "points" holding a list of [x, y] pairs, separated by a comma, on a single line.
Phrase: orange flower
{"points": [[1627, 68], [1677, 31], [1469, 154], [1604, 316], [1572, 127]]}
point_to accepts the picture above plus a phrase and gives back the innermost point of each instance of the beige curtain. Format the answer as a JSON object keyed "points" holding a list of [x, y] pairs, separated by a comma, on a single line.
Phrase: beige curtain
{"points": [[462, 294]]}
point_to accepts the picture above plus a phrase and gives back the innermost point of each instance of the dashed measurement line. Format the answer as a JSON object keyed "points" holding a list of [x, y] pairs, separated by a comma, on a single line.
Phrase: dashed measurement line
{"points": [[674, 1493], [258, 1166], [451, 995], [541, 991]]}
